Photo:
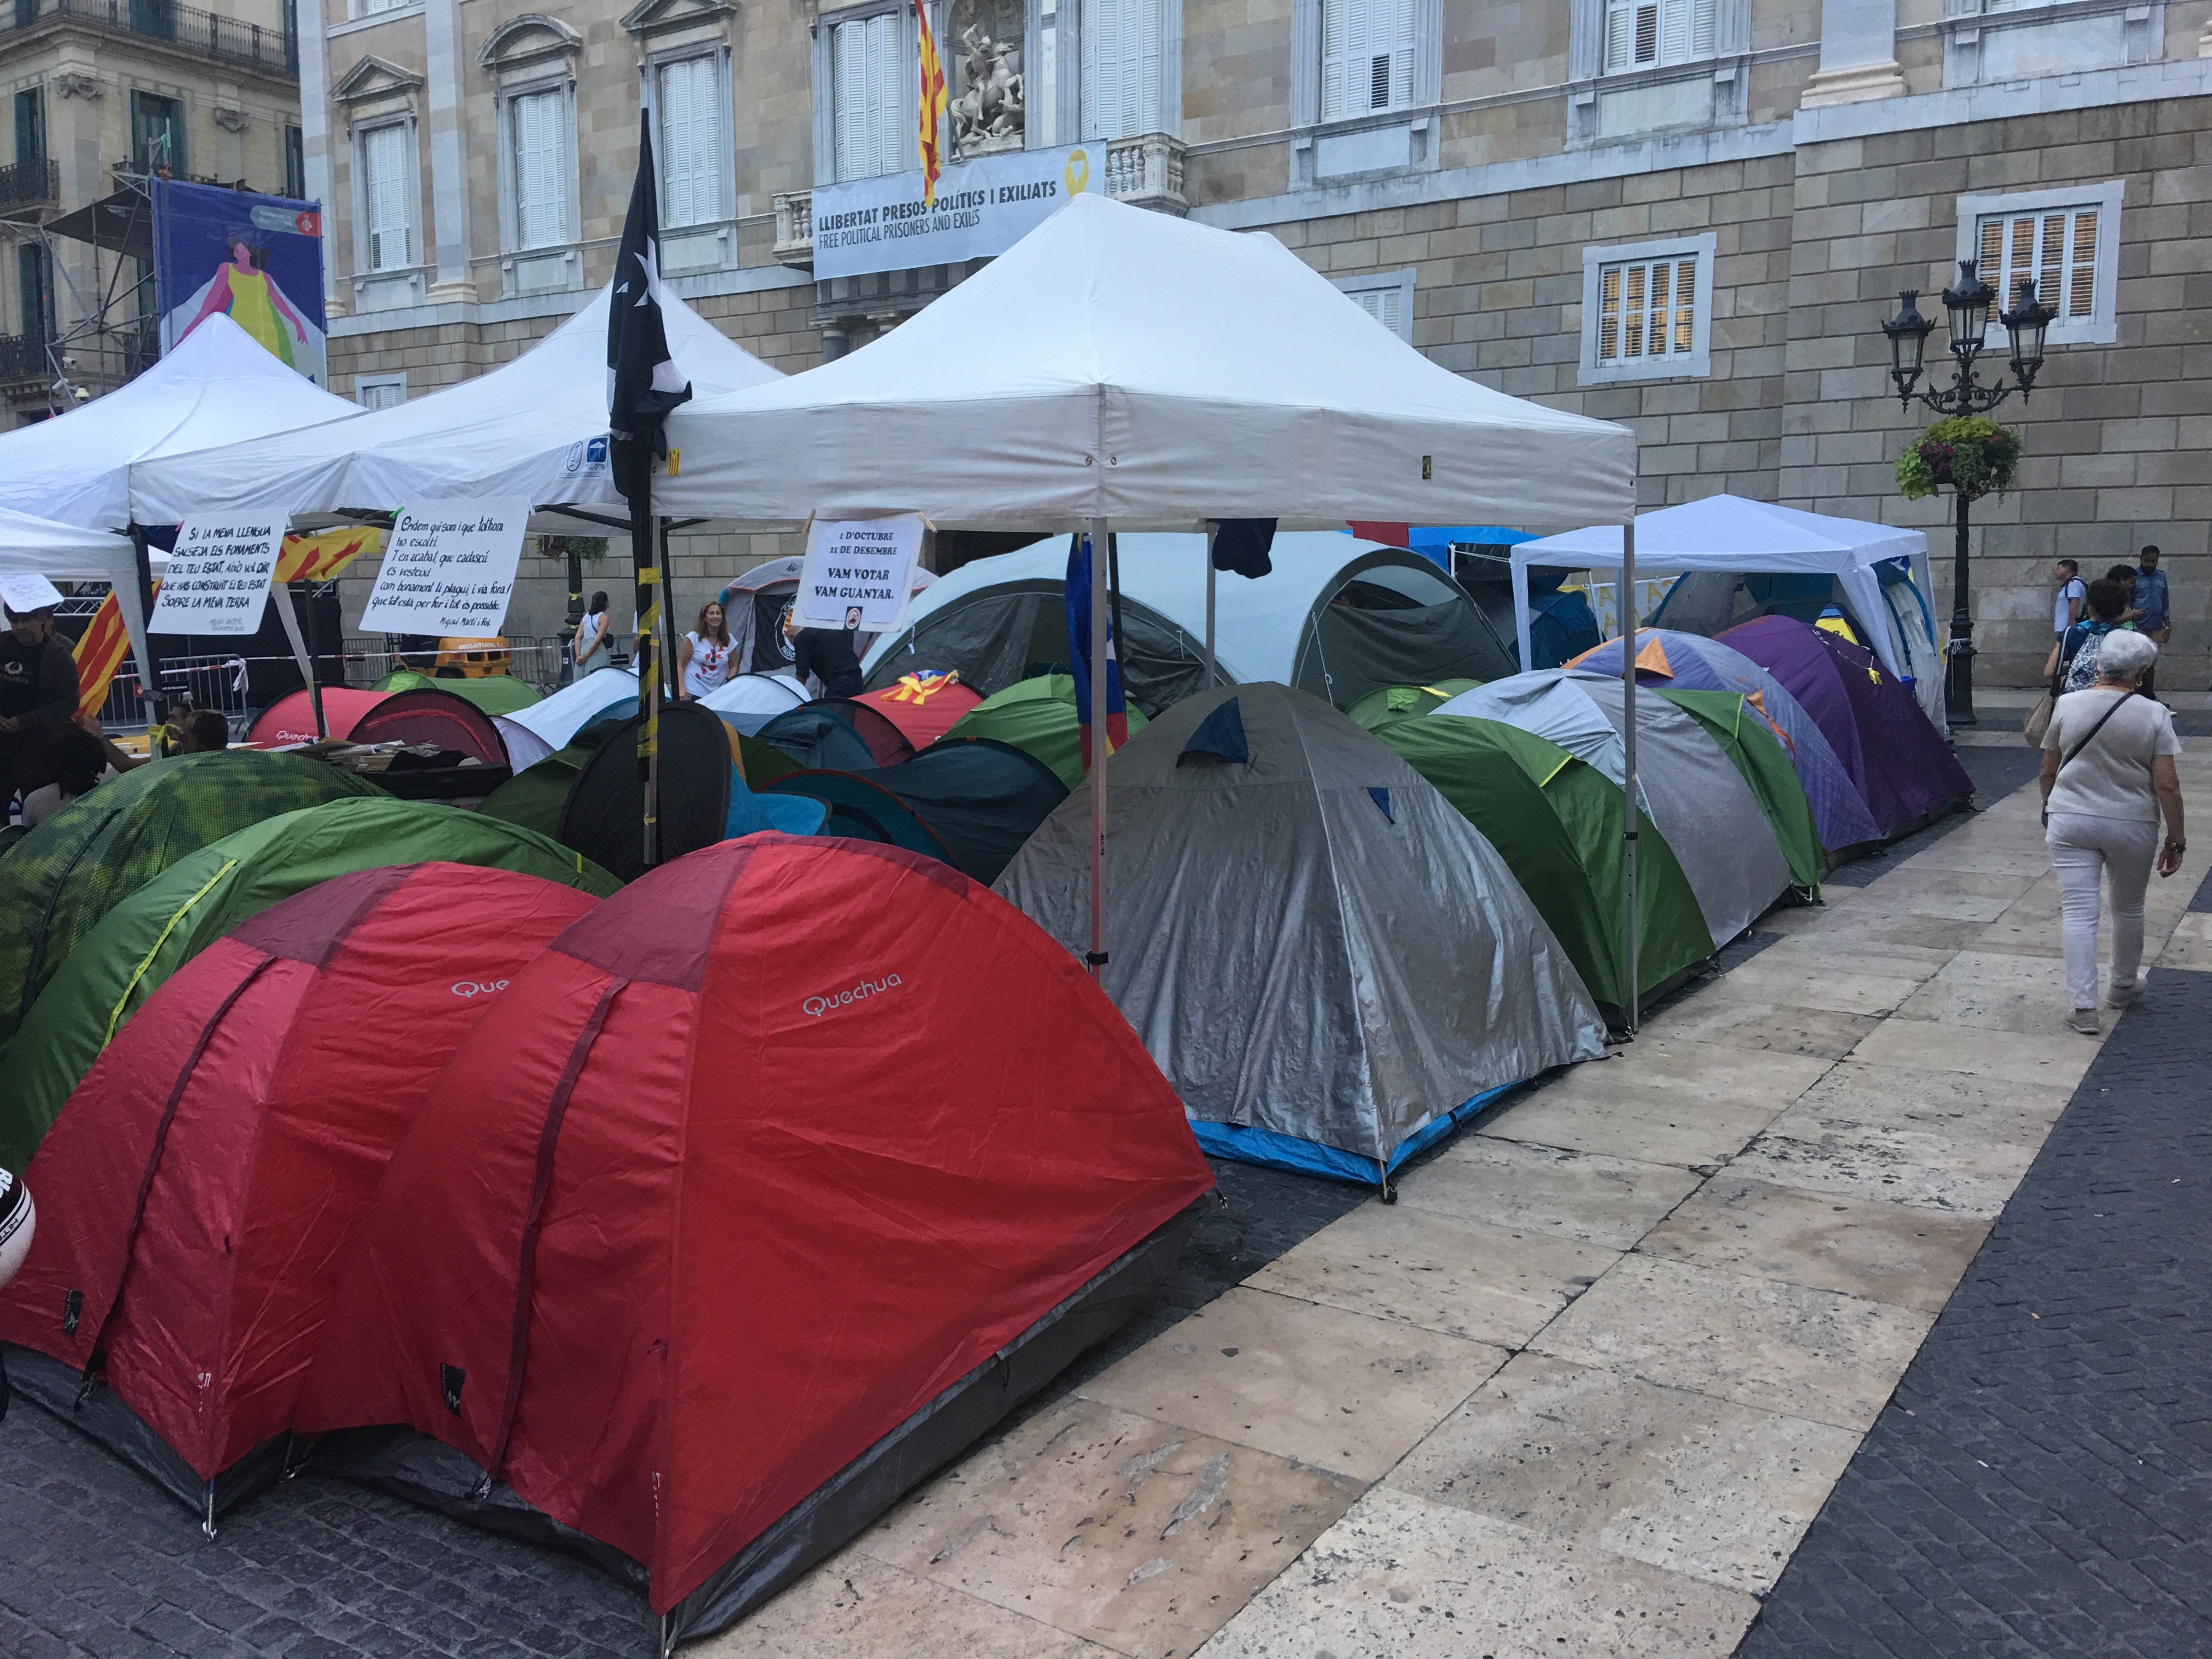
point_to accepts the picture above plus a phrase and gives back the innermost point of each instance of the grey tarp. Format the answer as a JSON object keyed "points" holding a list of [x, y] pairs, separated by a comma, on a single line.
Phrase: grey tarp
{"points": [[1324, 956], [1684, 780]]}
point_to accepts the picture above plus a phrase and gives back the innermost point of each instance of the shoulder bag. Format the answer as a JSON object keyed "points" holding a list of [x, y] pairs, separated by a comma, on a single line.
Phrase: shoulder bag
{"points": [[2118, 703]]}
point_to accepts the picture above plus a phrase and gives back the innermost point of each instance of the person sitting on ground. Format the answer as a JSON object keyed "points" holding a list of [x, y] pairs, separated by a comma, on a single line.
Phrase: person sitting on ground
{"points": [[827, 654], [206, 732], [38, 694], [703, 656], [77, 763], [593, 634], [2075, 654], [2108, 775]]}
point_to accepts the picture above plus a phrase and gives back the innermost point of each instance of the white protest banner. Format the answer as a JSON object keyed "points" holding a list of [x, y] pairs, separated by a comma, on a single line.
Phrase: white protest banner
{"points": [[448, 570], [859, 573], [27, 590], [983, 207], [217, 578]]}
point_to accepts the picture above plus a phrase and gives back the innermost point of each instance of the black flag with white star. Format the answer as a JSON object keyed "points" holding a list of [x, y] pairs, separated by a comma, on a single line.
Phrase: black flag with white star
{"points": [[643, 383]]}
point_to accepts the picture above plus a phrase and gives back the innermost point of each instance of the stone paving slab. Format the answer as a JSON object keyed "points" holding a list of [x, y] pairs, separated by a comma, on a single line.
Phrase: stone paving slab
{"points": [[2041, 1483]]}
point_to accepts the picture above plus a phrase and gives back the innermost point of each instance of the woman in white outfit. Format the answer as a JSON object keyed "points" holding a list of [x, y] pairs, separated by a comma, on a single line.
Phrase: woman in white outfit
{"points": [[703, 656], [2108, 775]]}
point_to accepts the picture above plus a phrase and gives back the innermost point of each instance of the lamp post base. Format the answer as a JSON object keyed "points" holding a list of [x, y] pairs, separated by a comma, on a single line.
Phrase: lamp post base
{"points": [[1959, 683]]}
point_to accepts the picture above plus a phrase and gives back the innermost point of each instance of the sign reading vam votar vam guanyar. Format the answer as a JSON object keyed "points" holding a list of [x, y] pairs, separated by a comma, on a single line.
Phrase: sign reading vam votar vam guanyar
{"points": [[984, 208]]}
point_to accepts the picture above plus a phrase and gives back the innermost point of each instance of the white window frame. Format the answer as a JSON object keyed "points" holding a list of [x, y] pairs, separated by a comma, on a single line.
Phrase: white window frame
{"points": [[378, 8], [1694, 364], [1423, 89], [905, 151], [411, 170], [364, 385], [716, 57], [1374, 293], [1681, 32], [563, 87], [2102, 327]]}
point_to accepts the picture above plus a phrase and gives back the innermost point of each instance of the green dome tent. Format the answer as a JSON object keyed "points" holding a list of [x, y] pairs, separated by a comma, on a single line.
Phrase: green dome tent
{"points": [[149, 935], [1756, 754], [494, 694], [1397, 702], [1038, 715], [62, 877], [1556, 820]]}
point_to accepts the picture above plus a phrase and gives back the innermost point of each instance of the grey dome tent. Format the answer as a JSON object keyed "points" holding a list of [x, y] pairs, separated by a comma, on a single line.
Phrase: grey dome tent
{"points": [[1331, 964], [1337, 616]]}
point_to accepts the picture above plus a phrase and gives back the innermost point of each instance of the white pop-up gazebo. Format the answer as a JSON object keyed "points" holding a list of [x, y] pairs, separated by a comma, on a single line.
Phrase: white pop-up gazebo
{"points": [[1118, 369], [1729, 533], [40, 547], [534, 430], [218, 386]]}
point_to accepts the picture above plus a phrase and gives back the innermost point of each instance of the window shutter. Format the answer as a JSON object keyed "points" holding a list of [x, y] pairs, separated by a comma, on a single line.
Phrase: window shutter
{"points": [[541, 195], [868, 118], [2058, 246], [1142, 98], [384, 193], [690, 143], [1122, 68], [2081, 269], [1335, 49], [1402, 53]]}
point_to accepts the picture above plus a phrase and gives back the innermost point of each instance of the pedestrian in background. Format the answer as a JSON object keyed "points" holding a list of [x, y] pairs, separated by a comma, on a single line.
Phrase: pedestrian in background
{"points": [[2107, 777], [2073, 594], [591, 635], [703, 656], [2073, 662], [2152, 602]]}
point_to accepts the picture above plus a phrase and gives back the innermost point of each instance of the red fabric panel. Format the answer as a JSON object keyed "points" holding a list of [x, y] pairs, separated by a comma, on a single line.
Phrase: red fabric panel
{"points": [[923, 708], [785, 1211], [428, 715], [1391, 535], [308, 927], [291, 719], [887, 744]]}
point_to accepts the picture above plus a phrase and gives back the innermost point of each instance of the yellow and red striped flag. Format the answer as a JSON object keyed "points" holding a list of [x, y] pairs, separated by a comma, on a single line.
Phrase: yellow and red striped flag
{"points": [[932, 103], [100, 650], [317, 558]]}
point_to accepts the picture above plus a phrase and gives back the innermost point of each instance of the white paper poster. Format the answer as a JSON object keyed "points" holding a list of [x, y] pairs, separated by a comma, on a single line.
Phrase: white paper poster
{"points": [[448, 570], [25, 591], [217, 578], [859, 573]]}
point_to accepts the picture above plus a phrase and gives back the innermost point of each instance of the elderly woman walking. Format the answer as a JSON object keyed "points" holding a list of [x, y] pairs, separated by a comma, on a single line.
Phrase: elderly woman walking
{"points": [[2108, 775]]}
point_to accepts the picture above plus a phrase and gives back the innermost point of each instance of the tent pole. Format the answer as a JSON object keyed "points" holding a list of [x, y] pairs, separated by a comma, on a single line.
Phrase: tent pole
{"points": [[669, 624], [1211, 577], [288, 613], [1099, 545], [646, 571], [1519, 566], [149, 670], [1628, 744]]}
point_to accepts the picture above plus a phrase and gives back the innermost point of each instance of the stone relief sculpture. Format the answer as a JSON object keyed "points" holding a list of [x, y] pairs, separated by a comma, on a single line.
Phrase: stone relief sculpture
{"points": [[988, 102]]}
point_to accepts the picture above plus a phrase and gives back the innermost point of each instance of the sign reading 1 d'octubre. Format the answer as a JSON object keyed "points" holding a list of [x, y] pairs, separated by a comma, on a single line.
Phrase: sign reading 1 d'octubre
{"points": [[448, 570], [216, 581], [859, 573]]}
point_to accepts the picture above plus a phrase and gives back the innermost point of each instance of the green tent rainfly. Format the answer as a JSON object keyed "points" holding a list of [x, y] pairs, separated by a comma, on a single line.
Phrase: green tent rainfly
{"points": [[1397, 702], [1756, 753], [1557, 822], [149, 935], [494, 694], [59, 880], [1038, 715]]}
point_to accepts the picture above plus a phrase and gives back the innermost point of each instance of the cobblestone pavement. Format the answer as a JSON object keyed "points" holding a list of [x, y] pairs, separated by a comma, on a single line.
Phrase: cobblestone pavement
{"points": [[2041, 1483], [95, 1563]]}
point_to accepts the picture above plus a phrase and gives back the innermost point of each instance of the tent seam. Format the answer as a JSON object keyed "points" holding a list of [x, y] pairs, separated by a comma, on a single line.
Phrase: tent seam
{"points": [[115, 1014]]}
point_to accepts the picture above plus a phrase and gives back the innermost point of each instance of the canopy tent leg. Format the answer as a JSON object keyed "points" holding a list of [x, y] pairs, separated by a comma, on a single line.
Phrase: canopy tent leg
{"points": [[288, 613], [135, 602], [1520, 568], [1628, 745], [1213, 576], [1095, 528], [670, 627], [645, 569]]}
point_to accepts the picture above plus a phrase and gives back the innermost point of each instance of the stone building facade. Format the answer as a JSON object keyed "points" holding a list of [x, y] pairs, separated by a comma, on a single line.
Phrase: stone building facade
{"points": [[1688, 215], [98, 90]]}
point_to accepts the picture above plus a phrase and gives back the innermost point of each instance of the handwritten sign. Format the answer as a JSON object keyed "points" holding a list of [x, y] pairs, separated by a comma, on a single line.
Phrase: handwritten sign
{"points": [[448, 570], [27, 591], [859, 573], [217, 579]]}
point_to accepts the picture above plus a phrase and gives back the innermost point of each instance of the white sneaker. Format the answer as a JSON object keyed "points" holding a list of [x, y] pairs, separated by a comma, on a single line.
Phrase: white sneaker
{"points": [[2119, 996], [2085, 1021]]}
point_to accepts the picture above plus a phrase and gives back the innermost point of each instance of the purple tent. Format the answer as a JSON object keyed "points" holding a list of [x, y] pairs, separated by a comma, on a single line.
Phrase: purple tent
{"points": [[1694, 663], [1893, 755]]}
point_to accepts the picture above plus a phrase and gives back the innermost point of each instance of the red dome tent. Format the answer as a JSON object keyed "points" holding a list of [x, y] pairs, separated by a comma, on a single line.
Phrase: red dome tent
{"points": [[200, 1187], [424, 714], [751, 1202]]}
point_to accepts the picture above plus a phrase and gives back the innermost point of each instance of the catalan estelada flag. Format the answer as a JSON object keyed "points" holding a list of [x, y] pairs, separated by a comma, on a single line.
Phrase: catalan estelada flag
{"points": [[319, 558], [99, 654], [932, 103]]}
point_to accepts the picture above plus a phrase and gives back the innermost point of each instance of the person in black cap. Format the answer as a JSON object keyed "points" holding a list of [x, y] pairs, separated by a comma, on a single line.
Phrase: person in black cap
{"points": [[38, 694]]}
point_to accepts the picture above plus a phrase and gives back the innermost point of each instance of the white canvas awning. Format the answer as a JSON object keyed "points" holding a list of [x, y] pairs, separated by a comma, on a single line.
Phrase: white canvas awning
{"points": [[66, 553], [1120, 365], [217, 386], [533, 430], [1729, 533]]}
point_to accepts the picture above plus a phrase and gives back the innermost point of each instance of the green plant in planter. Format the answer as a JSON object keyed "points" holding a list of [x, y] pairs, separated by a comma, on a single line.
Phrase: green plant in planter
{"points": [[1975, 456]]}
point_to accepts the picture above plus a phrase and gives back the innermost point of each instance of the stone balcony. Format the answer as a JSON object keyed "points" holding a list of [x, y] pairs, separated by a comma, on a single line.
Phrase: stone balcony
{"points": [[1144, 170]]}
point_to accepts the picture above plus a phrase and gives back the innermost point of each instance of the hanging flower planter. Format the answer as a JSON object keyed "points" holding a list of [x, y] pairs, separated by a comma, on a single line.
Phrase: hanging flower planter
{"points": [[1974, 456]]}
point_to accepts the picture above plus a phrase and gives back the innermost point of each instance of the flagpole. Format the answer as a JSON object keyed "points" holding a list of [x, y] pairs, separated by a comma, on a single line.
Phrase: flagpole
{"points": [[647, 572], [1095, 528]]}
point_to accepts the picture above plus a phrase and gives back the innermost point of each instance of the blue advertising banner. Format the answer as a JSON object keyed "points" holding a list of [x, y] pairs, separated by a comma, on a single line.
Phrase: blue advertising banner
{"points": [[258, 258]]}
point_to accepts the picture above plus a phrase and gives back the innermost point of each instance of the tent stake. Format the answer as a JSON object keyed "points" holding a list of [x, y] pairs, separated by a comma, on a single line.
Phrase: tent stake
{"points": [[1095, 528], [1628, 744]]}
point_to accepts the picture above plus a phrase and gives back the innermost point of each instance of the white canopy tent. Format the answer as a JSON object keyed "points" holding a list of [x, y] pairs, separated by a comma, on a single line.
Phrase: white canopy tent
{"points": [[216, 387], [1728, 534], [534, 430], [1124, 366], [31, 546]]}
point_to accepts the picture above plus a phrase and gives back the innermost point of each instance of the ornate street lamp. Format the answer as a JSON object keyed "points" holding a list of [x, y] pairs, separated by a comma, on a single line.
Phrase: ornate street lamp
{"points": [[1967, 307]]}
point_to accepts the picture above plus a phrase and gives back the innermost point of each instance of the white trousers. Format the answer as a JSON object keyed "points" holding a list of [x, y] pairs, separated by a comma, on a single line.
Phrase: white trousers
{"points": [[2083, 848]]}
